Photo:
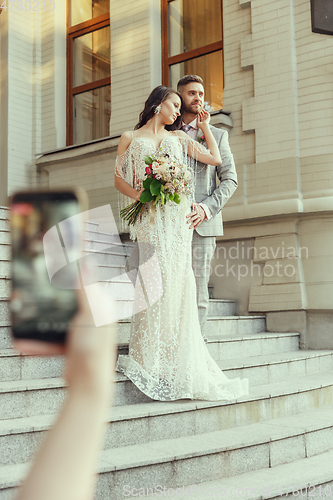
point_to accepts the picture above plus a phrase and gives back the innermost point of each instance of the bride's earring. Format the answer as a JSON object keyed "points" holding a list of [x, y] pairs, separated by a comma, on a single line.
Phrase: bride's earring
{"points": [[158, 109]]}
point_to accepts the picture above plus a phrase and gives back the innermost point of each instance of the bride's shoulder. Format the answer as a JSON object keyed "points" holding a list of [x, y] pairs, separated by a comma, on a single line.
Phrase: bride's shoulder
{"points": [[124, 142], [180, 133]]}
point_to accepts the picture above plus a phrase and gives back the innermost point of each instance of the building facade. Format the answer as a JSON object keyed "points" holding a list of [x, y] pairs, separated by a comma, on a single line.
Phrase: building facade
{"points": [[64, 105]]}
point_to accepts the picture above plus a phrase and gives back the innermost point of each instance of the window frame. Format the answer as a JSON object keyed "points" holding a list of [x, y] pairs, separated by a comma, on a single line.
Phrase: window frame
{"points": [[168, 61], [73, 32]]}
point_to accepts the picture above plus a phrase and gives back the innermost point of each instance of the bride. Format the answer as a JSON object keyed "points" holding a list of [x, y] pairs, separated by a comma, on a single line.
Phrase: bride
{"points": [[168, 358]]}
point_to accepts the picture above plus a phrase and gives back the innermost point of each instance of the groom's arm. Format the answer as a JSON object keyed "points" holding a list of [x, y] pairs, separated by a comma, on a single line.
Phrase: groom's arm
{"points": [[226, 172]]}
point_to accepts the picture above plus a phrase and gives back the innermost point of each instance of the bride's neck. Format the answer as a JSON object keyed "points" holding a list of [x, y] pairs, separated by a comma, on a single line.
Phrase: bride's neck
{"points": [[154, 126]]}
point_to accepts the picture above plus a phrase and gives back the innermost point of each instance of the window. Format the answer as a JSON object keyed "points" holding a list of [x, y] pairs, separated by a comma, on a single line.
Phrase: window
{"points": [[192, 44], [322, 16], [88, 70]]}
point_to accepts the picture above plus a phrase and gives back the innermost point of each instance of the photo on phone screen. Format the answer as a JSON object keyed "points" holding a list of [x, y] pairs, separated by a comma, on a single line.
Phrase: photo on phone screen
{"points": [[46, 243]]}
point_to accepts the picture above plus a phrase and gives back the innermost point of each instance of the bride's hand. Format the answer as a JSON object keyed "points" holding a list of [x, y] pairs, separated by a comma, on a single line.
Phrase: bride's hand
{"points": [[137, 197], [203, 119]]}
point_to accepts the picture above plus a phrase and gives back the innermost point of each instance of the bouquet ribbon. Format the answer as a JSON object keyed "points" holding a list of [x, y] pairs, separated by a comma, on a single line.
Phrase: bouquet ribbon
{"points": [[152, 214]]}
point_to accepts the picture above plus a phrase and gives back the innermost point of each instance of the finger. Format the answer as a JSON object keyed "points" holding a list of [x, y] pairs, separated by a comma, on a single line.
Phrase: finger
{"points": [[191, 214], [195, 225], [194, 219]]}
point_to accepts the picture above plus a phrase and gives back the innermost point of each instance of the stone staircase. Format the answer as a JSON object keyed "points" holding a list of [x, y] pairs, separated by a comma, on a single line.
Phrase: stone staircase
{"points": [[261, 446]]}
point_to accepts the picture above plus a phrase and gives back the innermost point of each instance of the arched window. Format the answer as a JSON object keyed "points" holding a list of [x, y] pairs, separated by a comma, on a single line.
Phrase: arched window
{"points": [[192, 43], [88, 70]]}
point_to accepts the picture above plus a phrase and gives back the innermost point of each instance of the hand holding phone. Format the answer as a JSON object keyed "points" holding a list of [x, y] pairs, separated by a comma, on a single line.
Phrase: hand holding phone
{"points": [[46, 243]]}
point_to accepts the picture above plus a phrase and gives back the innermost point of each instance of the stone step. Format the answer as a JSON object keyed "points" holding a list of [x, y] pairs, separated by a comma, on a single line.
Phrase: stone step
{"points": [[5, 252], [4, 212], [105, 258], [21, 398], [218, 327], [91, 226], [178, 461], [4, 310], [124, 294], [230, 326], [309, 477], [5, 287], [104, 241], [14, 366], [4, 224], [5, 238], [152, 422], [5, 269], [252, 345], [183, 461], [222, 307], [5, 337], [278, 366]]}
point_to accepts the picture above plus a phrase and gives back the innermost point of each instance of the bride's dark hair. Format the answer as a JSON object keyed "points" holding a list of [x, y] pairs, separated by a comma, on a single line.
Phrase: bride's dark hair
{"points": [[156, 97]]}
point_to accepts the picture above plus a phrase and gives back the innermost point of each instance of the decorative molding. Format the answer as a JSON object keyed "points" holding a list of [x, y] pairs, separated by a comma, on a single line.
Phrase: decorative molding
{"points": [[77, 152]]}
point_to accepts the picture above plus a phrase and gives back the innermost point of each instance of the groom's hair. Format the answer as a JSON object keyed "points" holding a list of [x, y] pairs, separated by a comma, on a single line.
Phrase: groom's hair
{"points": [[189, 79]]}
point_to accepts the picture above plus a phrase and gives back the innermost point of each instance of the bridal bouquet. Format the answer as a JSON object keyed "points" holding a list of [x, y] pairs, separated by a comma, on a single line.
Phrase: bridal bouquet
{"points": [[165, 181]]}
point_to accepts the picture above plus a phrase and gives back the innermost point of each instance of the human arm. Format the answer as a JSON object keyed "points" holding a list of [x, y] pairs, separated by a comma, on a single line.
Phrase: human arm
{"points": [[64, 467], [119, 183], [195, 150], [227, 175], [126, 189]]}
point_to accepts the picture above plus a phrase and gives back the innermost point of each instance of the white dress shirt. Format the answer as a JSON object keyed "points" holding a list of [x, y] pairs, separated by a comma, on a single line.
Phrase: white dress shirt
{"points": [[193, 132]]}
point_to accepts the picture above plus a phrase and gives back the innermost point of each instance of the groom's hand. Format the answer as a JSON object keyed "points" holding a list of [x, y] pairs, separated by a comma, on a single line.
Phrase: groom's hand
{"points": [[196, 216]]}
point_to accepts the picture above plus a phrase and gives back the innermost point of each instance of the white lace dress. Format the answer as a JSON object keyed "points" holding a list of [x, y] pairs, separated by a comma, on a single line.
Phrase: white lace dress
{"points": [[168, 358]]}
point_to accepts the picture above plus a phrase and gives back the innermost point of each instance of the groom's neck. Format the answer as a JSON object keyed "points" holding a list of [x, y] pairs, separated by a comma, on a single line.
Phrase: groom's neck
{"points": [[188, 118]]}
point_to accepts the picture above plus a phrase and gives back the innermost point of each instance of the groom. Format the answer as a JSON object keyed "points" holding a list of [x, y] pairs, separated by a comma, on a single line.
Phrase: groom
{"points": [[206, 217]]}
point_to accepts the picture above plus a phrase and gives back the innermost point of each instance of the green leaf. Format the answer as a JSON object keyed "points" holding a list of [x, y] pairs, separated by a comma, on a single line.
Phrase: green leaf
{"points": [[155, 187], [148, 160], [162, 188], [162, 198], [176, 198], [146, 196], [158, 197], [146, 183], [170, 197]]}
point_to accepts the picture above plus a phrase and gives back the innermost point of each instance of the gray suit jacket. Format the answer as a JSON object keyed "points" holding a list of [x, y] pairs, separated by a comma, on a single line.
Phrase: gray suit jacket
{"points": [[206, 191]]}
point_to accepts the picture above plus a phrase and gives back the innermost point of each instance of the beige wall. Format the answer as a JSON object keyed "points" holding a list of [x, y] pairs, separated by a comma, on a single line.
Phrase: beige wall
{"points": [[282, 143], [36, 100], [288, 115], [3, 109], [135, 59]]}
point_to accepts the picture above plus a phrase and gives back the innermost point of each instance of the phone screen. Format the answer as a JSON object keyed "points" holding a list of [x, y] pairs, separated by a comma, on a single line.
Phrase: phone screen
{"points": [[45, 246]]}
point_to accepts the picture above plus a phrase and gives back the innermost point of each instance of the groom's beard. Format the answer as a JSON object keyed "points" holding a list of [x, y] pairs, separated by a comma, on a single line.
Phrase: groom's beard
{"points": [[192, 109]]}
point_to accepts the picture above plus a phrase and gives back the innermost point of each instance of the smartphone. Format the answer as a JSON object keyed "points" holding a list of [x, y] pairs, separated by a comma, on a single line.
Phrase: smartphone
{"points": [[46, 231]]}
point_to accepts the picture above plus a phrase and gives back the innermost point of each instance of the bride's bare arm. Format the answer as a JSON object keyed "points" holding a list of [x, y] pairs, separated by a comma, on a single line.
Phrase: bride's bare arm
{"points": [[126, 189], [119, 183], [214, 157]]}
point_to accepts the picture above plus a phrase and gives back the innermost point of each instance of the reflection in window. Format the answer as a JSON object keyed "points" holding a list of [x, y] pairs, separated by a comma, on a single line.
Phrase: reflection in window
{"points": [[192, 44], [210, 69], [193, 24], [89, 78], [83, 10], [92, 112], [92, 57]]}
